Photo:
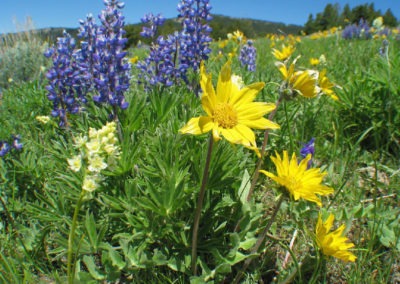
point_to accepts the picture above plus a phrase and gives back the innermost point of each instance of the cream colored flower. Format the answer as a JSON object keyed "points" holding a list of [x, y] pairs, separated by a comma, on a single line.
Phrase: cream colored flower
{"points": [[75, 163]]}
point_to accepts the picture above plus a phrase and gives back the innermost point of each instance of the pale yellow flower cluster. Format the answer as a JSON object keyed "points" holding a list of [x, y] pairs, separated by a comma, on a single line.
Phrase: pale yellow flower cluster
{"points": [[43, 119], [99, 151]]}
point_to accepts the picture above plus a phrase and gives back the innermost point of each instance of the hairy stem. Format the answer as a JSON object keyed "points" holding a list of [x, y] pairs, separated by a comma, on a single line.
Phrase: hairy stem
{"points": [[199, 206], [70, 270]]}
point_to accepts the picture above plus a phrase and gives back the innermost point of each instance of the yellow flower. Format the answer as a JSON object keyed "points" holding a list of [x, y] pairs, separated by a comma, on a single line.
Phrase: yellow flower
{"points": [[134, 59], [238, 36], [222, 43], [333, 243], [297, 179], [303, 82], [283, 54], [96, 163], [231, 112], [43, 119], [326, 86], [314, 61], [75, 163], [90, 183]]}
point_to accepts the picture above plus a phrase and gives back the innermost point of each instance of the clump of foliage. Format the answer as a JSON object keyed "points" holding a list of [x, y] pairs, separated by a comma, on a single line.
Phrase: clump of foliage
{"points": [[284, 173]]}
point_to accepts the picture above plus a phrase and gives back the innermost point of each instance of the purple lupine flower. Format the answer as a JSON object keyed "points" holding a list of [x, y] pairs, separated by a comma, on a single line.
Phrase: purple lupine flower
{"points": [[362, 30], [153, 23], [111, 68], [86, 56], [4, 148], [63, 80], [160, 66], [308, 148], [195, 34], [172, 56], [247, 57], [16, 144]]}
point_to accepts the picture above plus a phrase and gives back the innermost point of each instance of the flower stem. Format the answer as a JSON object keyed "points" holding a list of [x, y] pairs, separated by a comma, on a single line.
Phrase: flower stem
{"points": [[264, 145], [70, 270], [199, 206], [260, 240]]}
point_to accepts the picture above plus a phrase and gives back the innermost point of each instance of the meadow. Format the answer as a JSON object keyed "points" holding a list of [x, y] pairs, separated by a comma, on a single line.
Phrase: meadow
{"points": [[137, 189]]}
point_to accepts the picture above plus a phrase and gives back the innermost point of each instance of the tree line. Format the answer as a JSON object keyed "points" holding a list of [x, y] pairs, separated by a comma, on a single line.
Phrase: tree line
{"points": [[335, 16]]}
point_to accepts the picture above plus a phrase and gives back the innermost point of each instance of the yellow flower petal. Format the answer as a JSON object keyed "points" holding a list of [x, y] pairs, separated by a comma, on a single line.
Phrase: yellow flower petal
{"points": [[197, 126]]}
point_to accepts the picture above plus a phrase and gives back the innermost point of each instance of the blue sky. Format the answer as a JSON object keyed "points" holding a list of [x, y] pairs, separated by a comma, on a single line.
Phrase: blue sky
{"points": [[66, 13]]}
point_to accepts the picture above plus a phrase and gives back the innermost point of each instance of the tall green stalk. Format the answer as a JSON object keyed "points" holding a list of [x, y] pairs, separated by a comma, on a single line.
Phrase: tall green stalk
{"points": [[71, 237], [199, 206]]}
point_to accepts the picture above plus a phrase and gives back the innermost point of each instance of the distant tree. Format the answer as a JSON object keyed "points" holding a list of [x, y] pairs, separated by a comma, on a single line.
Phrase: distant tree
{"points": [[346, 15], [309, 26], [329, 17], [389, 19]]}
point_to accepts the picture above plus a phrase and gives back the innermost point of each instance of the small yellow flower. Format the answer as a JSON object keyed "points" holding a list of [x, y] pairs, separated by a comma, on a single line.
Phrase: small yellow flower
{"points": [[222, 43], [238, 36], [93, 147], [80, 141], [230, 110], [326, 86], [96, 163], [75, 163], [333, 243], [297, 179], [90, 183], [134, 59], [283, 54], [322, 59], [43, 119], [314, 61]]}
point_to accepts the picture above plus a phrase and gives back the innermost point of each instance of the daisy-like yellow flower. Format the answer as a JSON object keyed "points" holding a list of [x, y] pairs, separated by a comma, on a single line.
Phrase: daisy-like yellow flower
{"points": [[326, 86], [303, 82], [231, 111], [283, 54], [333, 243], [297, 179]]}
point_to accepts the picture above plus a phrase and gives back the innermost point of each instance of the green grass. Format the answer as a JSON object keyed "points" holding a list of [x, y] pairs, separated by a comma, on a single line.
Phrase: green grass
{"points": [[137, 226]]}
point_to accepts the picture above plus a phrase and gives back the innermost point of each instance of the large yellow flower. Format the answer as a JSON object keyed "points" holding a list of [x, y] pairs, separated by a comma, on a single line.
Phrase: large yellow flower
{"points": [[297, 179], [231, 111], [333, 243]]}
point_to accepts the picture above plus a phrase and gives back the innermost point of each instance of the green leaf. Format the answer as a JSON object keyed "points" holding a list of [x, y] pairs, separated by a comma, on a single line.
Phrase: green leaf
{"points": [[115, 257], [388, 237], [91, 266], [244, 187], [90, 226]]}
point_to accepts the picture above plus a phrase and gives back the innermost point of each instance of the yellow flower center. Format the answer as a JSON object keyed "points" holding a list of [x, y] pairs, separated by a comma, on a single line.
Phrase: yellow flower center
{"points": [[225, 115], [293, 183]]}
